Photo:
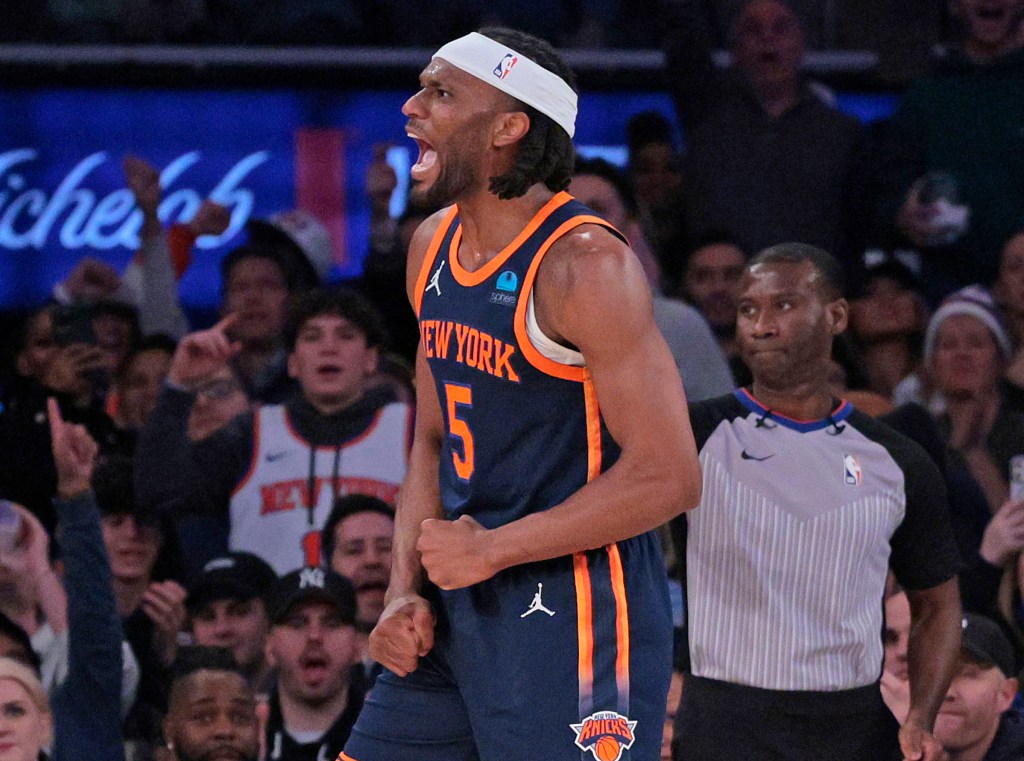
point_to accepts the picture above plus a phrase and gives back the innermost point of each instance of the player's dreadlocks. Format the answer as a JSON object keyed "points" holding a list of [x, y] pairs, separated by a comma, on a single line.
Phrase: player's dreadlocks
{"points": [[546, 153]]}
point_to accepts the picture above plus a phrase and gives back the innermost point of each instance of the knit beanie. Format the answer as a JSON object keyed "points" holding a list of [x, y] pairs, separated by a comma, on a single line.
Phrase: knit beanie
{"points": [[976, 301]]}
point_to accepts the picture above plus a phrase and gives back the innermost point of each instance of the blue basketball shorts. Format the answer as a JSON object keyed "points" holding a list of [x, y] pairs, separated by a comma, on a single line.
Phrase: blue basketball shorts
{"points": [[565, 660]]}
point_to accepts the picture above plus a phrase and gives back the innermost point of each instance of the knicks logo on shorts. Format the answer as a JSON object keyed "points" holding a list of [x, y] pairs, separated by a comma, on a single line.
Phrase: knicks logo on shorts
{"points": [[605, 734]]}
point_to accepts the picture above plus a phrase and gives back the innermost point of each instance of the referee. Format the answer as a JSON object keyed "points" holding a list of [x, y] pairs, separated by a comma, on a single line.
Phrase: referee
{"points": [[807, 504]]}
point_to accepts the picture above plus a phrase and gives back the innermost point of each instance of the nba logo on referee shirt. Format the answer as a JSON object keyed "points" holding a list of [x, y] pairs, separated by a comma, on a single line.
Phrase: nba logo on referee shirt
{"points": [[851, 470], [505, 65]]}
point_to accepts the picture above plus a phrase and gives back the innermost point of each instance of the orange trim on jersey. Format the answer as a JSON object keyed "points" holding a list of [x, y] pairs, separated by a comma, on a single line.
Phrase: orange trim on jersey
{"points": [[621, 619], [298, 436], [533, 356], [256, 417], [593, 428], [431, 255], [466, 278], [584, 623], [344, 757]]}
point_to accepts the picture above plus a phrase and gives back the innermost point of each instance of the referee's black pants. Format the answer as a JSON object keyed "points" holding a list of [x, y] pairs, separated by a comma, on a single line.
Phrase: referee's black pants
{"points": [[719, 721]]}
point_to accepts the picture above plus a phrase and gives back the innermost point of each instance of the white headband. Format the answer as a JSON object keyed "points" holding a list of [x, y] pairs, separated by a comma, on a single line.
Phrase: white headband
{"points": [[515, 74]]}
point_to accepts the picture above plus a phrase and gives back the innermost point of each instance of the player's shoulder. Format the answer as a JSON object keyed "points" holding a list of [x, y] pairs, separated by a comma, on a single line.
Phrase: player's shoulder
{"points": [[589, 251], [419, 245]]}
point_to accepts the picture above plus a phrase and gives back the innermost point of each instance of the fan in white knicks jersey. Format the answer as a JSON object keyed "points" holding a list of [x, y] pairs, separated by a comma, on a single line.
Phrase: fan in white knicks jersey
{"points": [[277, 470]]}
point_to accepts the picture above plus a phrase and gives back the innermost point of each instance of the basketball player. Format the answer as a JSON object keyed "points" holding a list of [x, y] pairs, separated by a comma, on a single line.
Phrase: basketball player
{"points": [[551, 437]]}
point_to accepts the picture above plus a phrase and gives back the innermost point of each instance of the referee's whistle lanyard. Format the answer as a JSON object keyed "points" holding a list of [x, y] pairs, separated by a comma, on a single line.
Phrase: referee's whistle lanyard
{"points": [[765, 421]]}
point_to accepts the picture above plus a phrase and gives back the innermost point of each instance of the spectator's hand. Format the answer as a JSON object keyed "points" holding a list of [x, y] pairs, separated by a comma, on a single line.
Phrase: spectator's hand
{"points": [[74, 453], [164, 603], [381, 181], [68, 369], [144, 181], [211, 219], [896, 695], [914, 218], [200, 355], [918, 744], [1004, 535], [403, 634], [92, 280], [970, 429], [451, 552]]}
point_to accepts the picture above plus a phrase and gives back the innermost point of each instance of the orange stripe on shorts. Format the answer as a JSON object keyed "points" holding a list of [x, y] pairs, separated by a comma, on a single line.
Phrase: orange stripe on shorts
{"points": [[585, 626], [621, 620]]}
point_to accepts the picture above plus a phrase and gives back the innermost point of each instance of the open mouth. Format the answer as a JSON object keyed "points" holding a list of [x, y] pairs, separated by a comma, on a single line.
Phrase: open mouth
{"points": [[991, 12], [314, 668], [225, 754], [328, 372], [425, 162]]}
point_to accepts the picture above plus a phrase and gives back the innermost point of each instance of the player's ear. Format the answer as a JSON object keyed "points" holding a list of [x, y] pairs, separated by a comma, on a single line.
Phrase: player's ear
{"points": [[510, 128], [839, 315]]}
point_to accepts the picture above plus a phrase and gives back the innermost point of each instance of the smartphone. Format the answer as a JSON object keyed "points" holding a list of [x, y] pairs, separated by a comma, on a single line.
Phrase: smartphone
{"points": [[73, 325], [1017, 477]]}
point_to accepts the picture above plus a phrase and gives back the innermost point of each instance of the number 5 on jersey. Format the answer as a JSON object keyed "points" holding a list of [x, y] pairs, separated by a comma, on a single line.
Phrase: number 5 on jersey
{"points": [[456, 396]]}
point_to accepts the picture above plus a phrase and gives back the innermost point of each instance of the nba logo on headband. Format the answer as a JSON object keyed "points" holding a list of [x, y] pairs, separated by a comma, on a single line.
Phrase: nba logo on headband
{"points": [[505, 65], [533, 84]]}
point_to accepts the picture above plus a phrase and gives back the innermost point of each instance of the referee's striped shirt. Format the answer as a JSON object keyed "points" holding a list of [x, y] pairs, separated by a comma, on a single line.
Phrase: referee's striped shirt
{"points": [[786, 555]]}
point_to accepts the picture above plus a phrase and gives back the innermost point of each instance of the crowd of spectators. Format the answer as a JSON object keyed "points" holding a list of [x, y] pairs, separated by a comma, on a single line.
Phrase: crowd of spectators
{"points": [[322, 22], [205, 515]]}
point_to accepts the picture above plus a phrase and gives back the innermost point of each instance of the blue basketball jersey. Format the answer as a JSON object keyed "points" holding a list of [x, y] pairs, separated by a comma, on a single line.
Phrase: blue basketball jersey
{"points": [[524, 432]]}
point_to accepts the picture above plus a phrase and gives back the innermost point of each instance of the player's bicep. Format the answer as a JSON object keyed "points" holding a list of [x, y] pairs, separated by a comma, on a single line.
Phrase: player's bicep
{"points": [[605, 311]]}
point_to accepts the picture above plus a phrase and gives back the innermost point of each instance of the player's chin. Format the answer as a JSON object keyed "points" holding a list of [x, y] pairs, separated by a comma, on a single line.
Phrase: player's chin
{"points": [[420, 192]]}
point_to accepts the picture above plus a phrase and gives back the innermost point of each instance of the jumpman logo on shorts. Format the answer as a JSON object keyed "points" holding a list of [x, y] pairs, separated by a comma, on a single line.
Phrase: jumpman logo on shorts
{"points": [[537, 605], [434, 280]]}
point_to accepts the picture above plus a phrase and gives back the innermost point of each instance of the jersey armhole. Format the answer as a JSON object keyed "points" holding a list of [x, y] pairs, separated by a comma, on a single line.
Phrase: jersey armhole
{"points": [[525, 337]]}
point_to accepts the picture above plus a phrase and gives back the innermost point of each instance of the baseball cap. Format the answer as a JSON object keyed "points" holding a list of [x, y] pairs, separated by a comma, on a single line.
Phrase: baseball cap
{"points": [[303, 233], [878, 263], [310, 583], [235, 576], [984, 640]]}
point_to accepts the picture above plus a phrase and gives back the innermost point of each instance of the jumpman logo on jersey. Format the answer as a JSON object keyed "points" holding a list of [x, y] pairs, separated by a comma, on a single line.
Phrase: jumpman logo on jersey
{"points": [[434, 280], [537, 605]]}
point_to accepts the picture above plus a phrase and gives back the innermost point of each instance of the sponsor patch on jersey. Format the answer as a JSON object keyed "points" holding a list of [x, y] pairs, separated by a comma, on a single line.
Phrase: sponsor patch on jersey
{"points": [[605, 734], [504, 299], [852, 473], [506, 286], [507, 281]]}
